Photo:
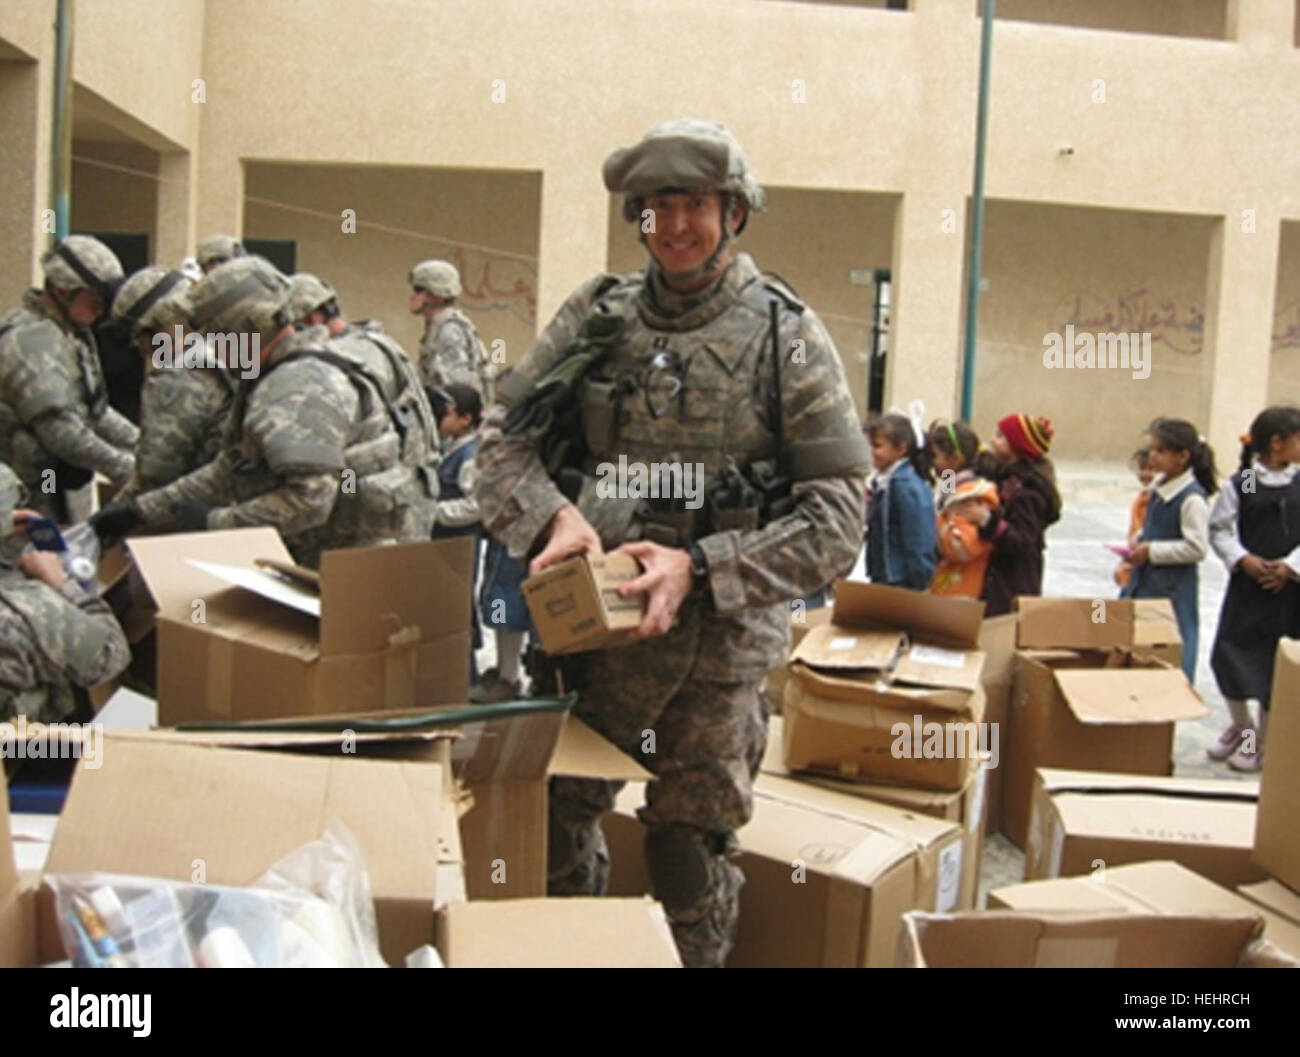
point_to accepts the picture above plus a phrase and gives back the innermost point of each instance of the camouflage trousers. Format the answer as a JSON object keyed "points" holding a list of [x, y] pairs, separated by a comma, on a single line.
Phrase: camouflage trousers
{"points": [[704, 747]]}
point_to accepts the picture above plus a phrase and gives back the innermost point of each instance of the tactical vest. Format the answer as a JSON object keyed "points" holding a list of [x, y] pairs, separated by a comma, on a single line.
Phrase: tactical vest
{"points": [[666, 412], [390, 477], [478, 354]]}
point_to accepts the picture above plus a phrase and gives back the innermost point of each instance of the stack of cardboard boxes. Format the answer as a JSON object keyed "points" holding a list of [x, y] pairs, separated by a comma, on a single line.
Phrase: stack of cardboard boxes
{"points": [[910, 728]]}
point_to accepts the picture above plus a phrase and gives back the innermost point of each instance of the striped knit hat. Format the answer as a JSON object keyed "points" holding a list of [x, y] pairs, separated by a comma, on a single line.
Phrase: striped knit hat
{"points": [[1030, 438]]}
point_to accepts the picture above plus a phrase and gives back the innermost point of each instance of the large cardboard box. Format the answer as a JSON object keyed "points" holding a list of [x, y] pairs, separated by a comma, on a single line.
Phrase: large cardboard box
{"points": [[1143, 888], [161, 807], [827, 876], [889, 691], [575, 604], [390, 630], [1277, 834], [1090, 712], [1082, 819], [1275, 897], [967, 808], [557, 934], [1086, 941], [18, 937], [1145, 625], [802, 621]]}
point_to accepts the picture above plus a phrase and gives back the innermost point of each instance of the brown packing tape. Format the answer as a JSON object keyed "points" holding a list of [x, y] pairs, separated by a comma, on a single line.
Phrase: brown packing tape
{"points": [[1058, 952]]}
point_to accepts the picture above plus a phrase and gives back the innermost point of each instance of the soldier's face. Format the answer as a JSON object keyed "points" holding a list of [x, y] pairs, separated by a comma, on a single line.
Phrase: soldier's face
{"points": [[417, 301], [85, 307], [683, 230]]}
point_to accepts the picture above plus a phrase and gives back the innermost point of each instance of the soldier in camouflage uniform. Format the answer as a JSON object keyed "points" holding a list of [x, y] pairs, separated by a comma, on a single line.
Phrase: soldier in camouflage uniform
{"points": [[217, 249], [56, 425], [54, 636], [326, 444], [691, 378], [450, 351], [185, 399]]}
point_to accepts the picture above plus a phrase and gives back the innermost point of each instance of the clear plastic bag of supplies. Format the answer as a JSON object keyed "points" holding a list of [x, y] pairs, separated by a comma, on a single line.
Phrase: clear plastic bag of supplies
{"points": [[312, 909]]}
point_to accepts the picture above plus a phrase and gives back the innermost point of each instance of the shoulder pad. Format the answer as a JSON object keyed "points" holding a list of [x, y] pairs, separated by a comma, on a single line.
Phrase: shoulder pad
{"points": [[774, 284], [36, 336]]}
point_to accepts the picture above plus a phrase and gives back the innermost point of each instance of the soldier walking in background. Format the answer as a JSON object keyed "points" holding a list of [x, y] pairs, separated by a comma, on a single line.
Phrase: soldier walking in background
{"points": [[697, 361], [450, 351]]}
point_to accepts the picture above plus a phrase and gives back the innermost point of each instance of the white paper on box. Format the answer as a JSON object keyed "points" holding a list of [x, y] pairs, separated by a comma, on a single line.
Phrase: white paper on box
{"points": [[845, 643], [976, 811], [264, 584], [949, 877], [940, 657]]}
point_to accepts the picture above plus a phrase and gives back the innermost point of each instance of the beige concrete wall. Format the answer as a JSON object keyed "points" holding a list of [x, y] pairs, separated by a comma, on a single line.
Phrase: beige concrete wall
{"points": [[1284, 361], [142, 57], [404, 215], [108, 192], [1103, 271], [812, 239], [24, 173]]}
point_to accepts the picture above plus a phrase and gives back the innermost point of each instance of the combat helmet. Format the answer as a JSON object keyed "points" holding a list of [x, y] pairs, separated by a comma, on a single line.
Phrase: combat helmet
{"points": [[244, 296], [217, 249], [439, 278], [308, 293], [82, 262], [153, 299]]}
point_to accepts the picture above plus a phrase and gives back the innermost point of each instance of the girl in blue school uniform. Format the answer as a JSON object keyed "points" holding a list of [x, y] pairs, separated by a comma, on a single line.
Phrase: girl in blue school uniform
{"points": [[901, 545], [1175, 532], [1255, 529]]}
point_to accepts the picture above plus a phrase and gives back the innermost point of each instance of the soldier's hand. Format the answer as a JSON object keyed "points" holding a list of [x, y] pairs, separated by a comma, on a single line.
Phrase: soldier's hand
{"points": [[115, 521], [666, 579], [570, 534], [45, 566], [22, 515]]}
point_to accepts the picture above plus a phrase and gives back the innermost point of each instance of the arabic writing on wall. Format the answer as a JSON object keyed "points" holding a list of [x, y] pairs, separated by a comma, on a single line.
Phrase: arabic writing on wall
{"points": [[1179, 325]]}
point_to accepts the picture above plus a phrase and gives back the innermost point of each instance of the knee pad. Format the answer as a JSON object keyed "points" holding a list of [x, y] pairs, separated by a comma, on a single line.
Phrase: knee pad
{"points": [[681, 861]]}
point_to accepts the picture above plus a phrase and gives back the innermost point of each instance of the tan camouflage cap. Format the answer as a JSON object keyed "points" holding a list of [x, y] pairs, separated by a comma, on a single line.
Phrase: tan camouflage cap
{"points": [[684, 153], [82, 262], [153, 299], [248, 295], [307, 293], [436, 277], [216, 249]]}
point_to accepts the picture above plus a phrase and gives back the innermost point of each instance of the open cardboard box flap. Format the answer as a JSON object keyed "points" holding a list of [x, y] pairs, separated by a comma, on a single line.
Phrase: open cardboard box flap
{"points": [[368, 595], [1045, 941], [844, 688], [156, 808], [1059, 780], [1276, 897], [1128, 695], [1079, 623], [952, 622]]}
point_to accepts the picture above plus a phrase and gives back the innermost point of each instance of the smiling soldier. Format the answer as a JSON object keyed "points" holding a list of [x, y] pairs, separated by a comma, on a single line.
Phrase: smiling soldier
{"points": [[697, 360]]}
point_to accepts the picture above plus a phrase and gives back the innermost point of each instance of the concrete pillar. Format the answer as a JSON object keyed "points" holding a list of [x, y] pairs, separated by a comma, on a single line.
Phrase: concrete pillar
{"points": [[177, 208], [1266, 25], [1242, 286], [25, 104], [574, 234]]}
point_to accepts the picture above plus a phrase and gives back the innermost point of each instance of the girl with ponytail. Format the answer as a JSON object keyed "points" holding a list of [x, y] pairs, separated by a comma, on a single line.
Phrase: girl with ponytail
{"points": [[1255, 529], [1175, 535]]}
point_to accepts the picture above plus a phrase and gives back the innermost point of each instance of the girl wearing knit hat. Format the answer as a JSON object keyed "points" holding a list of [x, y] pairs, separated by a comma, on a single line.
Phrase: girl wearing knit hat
{"points": [[1029, 504]]}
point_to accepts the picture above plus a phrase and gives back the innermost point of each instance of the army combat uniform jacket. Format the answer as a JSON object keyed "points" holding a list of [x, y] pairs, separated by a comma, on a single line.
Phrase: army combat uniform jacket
{"points": [[52, 641], [183, 413], [54, 411], [451, 353], [720, 410], [333, 444]]}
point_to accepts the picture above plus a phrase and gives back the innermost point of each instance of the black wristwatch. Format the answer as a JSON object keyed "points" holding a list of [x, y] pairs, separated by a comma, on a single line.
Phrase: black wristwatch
{"points": [[699, 567]]}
